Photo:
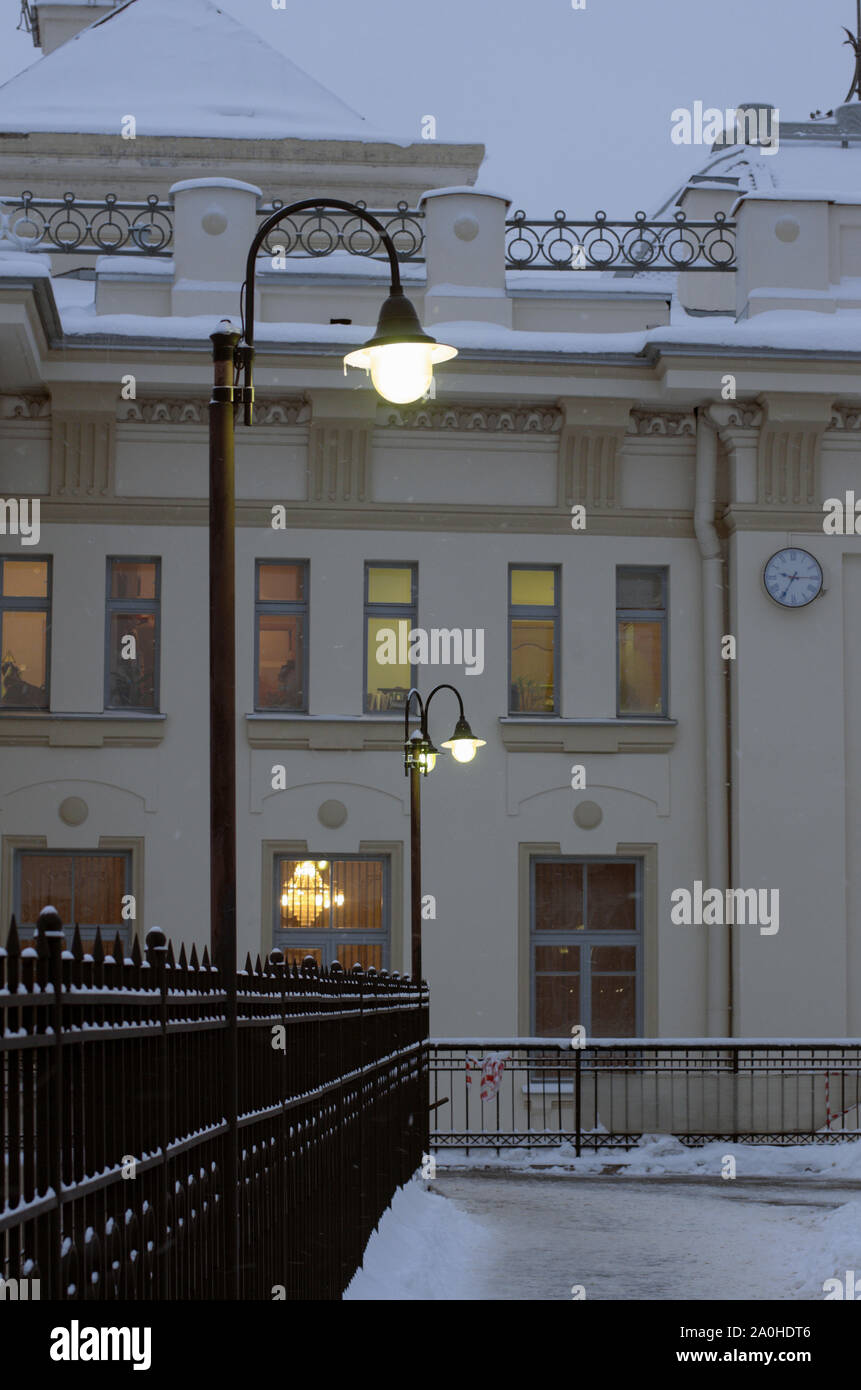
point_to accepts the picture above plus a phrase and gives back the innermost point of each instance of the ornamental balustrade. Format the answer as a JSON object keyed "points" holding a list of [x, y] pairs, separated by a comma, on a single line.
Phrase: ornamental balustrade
{"points": [[114, 226]]}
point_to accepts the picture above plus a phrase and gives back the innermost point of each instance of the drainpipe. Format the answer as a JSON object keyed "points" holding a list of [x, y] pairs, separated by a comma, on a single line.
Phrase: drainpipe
{"points": [[718, 1012]]}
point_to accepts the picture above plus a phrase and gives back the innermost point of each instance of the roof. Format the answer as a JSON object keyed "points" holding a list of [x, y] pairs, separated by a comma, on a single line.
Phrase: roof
{"points": [[186, 69]]}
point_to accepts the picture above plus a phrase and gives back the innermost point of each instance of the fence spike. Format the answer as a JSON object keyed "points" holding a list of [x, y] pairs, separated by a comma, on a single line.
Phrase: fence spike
{"points": [[13, 945], [205, 962], [183, 963], [171, 959], [98, 951], [192, 960], [136, 952]]}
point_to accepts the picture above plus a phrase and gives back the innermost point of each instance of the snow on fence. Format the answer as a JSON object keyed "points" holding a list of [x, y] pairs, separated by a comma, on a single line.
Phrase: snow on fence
{"points": [[608, 1094], [127, 1173]]}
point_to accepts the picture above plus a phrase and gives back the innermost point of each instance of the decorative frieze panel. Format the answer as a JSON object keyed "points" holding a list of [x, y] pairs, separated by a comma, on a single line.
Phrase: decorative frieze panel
{"points": [[846, 418], [339, 457], [671, 424], [24, 407], [195, 411], [487, 419]]}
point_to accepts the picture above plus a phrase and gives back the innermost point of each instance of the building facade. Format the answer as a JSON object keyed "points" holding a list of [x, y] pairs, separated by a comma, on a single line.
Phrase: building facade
{"points": [[613, 527]]}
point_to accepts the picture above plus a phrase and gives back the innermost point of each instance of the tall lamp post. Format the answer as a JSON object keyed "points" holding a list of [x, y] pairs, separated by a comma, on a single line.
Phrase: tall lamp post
{"points": [[420, 757], [400, 358]]}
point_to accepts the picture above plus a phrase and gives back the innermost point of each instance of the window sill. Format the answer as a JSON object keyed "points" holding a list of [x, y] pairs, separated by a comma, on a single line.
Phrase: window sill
{"points": [[44, 729], [319, 733], [540, 734]]}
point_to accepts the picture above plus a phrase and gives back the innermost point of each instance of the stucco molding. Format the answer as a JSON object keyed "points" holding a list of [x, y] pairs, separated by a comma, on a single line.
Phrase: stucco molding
{"points": [[666, 423], [25, 407], [44, 730], [587, 735], [490, 419], [162, 410], [312, 734]]}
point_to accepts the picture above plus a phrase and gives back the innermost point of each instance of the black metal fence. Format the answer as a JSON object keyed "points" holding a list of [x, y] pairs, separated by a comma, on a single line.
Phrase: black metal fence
{"points": [[125, 1175], [544, 1093]]}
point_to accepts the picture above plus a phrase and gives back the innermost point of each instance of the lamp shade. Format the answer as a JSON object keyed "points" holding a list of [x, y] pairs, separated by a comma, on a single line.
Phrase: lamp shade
{"points": [[463, 743], [400, 356]]}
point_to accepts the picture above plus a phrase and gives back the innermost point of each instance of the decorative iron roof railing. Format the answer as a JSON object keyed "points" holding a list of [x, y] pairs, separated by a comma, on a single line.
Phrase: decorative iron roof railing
{"points": [[567, 243], [321, 231], [99, 227], [112, 225]]}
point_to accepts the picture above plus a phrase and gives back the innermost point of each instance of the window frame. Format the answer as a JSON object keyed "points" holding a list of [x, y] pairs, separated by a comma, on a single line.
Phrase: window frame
{"points": [[645, 615], [588, 939], [87, 933], [387, 610], [321, 936], [44, 605], [298, 607], [124, 605], [528, 610]]}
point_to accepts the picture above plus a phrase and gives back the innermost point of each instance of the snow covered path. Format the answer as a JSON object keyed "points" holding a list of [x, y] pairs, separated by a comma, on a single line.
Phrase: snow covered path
{"points": [[485, 1235], [642, 1240]]}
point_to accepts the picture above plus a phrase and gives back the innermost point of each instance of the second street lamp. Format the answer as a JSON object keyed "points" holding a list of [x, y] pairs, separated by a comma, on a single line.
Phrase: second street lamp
{"points": [[420, 758]]}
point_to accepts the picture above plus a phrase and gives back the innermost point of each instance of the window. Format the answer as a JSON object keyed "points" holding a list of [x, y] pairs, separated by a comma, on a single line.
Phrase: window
{"points": [[533, 639], [391, 611], [133, 635], [86, 887], [333, 909], [641, 641], [586, 947], [25, 625], [281, 636]]}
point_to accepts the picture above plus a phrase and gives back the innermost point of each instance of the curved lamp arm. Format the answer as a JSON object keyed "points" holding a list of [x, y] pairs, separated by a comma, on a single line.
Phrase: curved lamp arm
{"points": [[246, 348]]}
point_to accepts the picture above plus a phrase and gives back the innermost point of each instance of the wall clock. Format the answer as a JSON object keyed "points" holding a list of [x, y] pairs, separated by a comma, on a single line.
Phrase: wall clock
{"points": [[793, 577]]}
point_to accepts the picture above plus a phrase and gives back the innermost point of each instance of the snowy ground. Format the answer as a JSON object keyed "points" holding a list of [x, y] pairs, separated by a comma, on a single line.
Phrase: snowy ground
{"points": [[664, 1226]]}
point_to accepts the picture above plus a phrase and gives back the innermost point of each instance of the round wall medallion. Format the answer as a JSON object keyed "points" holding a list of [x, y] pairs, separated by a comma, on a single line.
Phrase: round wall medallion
{"points": [[214, 221], [466, 228], [74, 810], [588, 814], [332, 814], [787, 229]]}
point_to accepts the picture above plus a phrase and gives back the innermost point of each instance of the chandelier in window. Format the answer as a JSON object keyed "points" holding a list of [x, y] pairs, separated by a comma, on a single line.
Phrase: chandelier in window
{"points": [[306, 895]]}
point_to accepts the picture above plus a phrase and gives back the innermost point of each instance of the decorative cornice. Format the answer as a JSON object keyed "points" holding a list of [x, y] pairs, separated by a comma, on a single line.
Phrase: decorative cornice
{"points": [[664, 422], [152, 410], [25, 407], [485, 418]]}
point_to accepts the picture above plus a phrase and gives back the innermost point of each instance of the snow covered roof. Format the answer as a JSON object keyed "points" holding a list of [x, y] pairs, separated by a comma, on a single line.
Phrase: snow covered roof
{"points": [[180, 68]]}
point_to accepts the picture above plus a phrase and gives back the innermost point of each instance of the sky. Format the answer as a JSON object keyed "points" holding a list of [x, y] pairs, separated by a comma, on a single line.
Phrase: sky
{"points": [[573, 106]]}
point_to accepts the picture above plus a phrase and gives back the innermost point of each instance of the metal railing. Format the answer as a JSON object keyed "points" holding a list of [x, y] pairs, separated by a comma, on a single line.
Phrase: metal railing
{"points": [[602, 243], [125, 1173], [542, 1093], [111, 225]]}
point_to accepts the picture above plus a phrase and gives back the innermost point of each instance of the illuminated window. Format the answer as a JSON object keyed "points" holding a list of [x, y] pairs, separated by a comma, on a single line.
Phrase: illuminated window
{"points": [[25, 622], [281, 636], [333, 909], [133, 634], [641, 641], [391, 611], [533, 639]]}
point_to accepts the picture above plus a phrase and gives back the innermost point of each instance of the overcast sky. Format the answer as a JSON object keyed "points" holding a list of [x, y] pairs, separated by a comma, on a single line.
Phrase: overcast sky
{"points": [[572, 105]]}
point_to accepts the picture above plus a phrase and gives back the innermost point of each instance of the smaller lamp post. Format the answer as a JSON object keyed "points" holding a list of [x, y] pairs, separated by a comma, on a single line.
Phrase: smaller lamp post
{"points": [[420, 757]]}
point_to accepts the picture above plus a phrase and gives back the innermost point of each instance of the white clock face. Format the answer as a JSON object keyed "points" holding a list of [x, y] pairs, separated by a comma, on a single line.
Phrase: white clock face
{"points": [[793, 578]]}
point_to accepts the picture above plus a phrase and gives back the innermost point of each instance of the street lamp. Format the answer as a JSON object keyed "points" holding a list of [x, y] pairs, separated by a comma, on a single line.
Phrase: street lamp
{"points": [[400, 358], [420, 757]]}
